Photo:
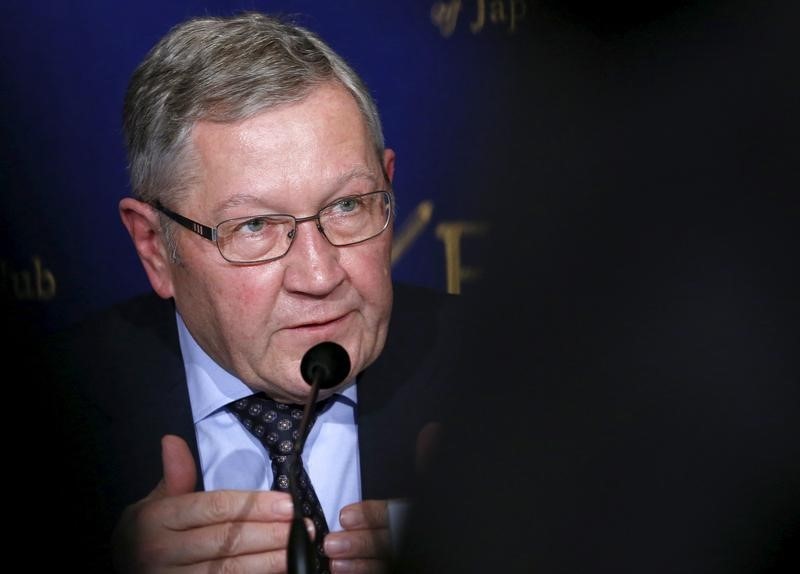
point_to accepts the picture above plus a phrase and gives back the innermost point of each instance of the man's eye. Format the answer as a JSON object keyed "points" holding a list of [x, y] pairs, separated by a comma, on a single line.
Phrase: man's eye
{"points": [[253, 225], [348, 204]]}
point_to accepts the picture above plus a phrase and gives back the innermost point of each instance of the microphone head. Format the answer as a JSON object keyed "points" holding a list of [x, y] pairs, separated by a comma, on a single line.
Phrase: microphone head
{"points": [[327, 362]]}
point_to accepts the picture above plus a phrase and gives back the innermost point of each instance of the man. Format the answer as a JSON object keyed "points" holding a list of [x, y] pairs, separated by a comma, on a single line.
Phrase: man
{"points": [[262, 214]]}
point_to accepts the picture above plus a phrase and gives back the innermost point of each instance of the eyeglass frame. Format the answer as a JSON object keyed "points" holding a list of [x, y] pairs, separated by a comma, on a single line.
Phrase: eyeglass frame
{"points": [[210, 233]]}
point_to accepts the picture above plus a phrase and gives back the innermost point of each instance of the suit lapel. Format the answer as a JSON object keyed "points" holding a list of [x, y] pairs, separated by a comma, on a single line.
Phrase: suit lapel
{"points": [[157, 401]]}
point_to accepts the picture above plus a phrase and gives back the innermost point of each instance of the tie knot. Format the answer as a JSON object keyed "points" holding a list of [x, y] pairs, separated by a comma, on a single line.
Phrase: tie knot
{"points": [[276, 425]]}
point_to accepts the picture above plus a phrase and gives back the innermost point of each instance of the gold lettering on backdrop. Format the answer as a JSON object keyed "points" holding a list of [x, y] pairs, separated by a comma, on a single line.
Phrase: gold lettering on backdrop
{"points": [[451, 232], [498, 11], [412, 228], [36, 284], [480, 18], [503, 13], [445, 15]]}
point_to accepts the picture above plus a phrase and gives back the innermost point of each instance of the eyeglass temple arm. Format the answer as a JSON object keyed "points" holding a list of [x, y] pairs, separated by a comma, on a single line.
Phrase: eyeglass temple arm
{"points": [[202, 230]]}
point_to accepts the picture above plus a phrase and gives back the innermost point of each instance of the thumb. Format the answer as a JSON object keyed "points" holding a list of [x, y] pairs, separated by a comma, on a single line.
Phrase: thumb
{"points": [[180, 473]]}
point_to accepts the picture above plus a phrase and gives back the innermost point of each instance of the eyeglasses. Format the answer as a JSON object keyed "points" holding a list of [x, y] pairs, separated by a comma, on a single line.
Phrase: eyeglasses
{"points": [[262, 238]]}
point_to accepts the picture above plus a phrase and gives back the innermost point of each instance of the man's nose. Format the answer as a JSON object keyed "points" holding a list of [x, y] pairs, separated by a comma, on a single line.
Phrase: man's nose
{"points": [[312, 264]]}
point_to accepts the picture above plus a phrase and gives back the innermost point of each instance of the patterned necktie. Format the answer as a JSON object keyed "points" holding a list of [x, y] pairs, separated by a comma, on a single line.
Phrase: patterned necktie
{"points": [[277, 426]]}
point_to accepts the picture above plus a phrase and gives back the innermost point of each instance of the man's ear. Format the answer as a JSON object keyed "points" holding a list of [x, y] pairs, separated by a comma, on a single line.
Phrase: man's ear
{"points": [[142, 223], [388, 163]]}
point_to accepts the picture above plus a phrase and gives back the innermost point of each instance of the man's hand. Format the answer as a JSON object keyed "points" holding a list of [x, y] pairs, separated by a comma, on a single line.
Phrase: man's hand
{"points": [[364, 545], [175, 529]]}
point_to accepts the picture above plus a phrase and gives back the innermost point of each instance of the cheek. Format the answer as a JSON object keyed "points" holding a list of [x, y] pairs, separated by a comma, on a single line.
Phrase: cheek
{"points": [[244, 299], [371, 276]]}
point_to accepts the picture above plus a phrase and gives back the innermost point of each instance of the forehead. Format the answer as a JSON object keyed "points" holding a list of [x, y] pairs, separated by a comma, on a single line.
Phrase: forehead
{"points": [[290, 154]]}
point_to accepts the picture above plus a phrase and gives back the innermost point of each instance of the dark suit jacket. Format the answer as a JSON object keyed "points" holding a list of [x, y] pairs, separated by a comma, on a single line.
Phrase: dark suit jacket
{"points": [[120, 386]]}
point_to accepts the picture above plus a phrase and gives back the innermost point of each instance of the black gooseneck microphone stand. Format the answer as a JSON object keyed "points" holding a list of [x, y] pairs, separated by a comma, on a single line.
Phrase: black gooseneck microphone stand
{"points": [[324, 365]]}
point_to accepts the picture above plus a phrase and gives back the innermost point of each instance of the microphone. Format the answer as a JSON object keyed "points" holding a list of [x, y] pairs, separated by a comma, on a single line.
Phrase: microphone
{"points": [[324, 365], [327, 363]]}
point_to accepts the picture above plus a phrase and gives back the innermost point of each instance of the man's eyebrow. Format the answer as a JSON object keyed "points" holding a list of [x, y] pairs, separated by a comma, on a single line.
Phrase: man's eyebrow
{"points": [[235, 201], [253, 200], [356, 173]]}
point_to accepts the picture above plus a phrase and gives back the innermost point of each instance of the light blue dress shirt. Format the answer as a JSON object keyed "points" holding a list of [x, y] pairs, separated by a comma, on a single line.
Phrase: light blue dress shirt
{"points": [[232, 458]]}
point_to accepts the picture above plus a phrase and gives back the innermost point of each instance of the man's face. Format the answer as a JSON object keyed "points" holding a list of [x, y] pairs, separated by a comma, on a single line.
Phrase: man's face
{"points": [[257, 321]]}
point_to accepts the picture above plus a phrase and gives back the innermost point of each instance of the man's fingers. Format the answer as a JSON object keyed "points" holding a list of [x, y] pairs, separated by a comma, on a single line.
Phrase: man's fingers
{"points": [[203, 527], [200, 509], [366, 514], [266, 563], [219, 541], [361, 566], [368, 543], [365, 542]]}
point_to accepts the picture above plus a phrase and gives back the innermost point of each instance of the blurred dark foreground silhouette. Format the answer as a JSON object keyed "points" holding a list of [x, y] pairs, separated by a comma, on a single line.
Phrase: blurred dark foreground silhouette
{"points": [[631, 396]]}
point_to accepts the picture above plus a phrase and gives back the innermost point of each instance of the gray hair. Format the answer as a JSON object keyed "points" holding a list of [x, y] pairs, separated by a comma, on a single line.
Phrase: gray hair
{"points": [[222, 70]]}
